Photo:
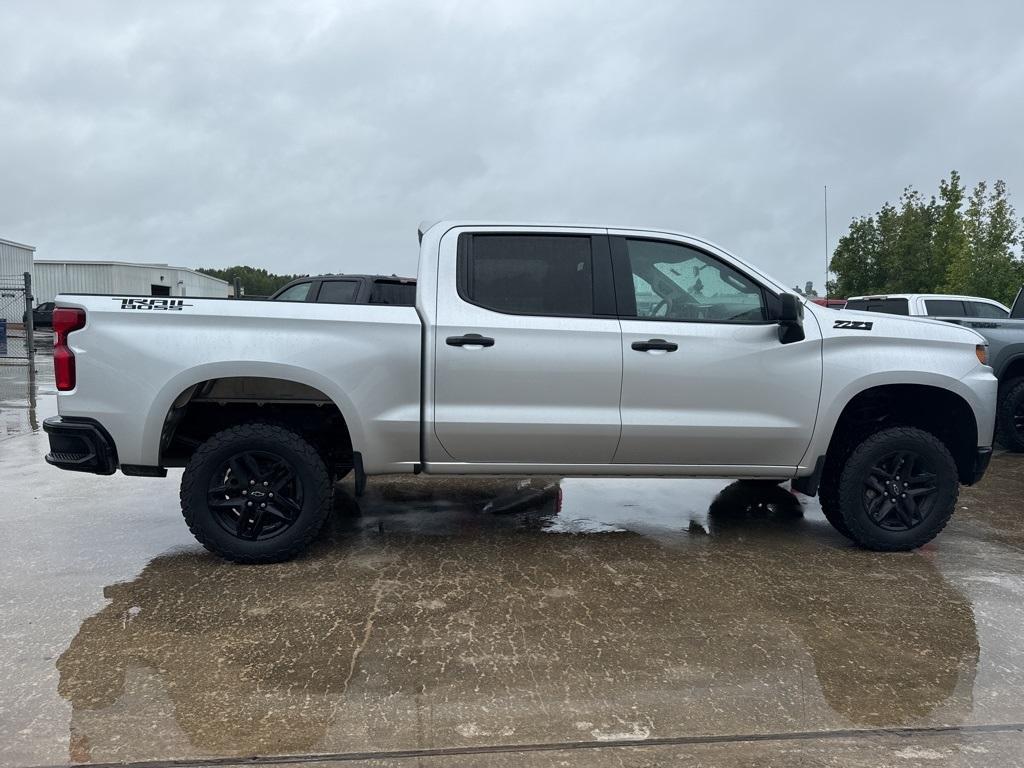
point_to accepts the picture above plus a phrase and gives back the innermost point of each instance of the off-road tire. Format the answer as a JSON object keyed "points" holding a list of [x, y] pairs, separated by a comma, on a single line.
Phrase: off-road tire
{"points": [[828, 498], [856, 469], [828, 486], [1010, 402], [309, 467]]}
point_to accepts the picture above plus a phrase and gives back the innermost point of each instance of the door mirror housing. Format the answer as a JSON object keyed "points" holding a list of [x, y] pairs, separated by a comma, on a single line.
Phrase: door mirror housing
{"points": [[791, 318]]}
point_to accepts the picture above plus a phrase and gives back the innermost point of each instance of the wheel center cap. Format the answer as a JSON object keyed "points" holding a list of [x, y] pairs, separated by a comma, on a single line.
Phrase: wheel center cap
{"points": [[257, 494]]}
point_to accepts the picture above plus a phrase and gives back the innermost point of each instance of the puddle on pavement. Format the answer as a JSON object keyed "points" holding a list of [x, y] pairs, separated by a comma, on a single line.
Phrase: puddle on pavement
{"points": [[418, 620], [21, 390]]}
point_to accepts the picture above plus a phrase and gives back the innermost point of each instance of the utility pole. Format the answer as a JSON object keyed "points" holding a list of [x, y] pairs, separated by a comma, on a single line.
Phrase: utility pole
{"points": [[826, 245]]}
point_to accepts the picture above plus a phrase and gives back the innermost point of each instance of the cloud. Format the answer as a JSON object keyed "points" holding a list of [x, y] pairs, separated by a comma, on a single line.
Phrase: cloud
{"points": [[314, 136]]}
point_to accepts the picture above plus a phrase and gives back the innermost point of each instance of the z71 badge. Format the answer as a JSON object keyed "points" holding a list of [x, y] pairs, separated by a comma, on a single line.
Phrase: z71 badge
{"points": [[853, 325], [154, 304]]}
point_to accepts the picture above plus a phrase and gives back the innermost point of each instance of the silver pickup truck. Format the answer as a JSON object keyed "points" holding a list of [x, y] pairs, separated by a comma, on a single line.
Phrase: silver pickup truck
{"points": [[531, 349]]}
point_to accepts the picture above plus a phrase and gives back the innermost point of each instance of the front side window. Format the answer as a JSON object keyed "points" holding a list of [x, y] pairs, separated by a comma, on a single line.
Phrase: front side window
{"points": [[338, 292], [297, 292], [984, 309], [945, 308], [676, 282], [529, 274]]}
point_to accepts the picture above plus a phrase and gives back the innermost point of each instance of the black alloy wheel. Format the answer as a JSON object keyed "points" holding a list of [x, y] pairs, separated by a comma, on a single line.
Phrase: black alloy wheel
{"points": [[900, 491], [255, 495]]}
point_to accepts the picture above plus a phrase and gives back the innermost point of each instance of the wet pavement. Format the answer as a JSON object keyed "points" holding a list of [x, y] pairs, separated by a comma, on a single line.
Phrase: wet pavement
{"points": [[458, 622]]}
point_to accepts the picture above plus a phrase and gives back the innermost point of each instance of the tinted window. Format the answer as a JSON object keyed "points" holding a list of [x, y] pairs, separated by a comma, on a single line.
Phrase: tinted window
{"points": [[945, 308], [297, 292], [675, 282], [984, 309], [529, 274], [338, 292], [888, 306], [393, 292]]}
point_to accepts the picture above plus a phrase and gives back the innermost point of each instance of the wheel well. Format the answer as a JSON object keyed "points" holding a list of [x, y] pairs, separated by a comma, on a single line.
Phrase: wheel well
{"points": [[939, 411], [1012, 372], [210, 406]]}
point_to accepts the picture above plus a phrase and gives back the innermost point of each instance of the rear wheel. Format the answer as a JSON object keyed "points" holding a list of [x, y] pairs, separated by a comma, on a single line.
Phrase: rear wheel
{"points": [[1011, 416], [898, 489], [255, 493]]}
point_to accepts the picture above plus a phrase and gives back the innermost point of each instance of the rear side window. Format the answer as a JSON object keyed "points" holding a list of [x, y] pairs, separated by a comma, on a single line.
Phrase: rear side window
{"points": [[888, 306], [393, 292], [984, 309], [338, 292], [297, 292], [945, 308], [528, 274]]}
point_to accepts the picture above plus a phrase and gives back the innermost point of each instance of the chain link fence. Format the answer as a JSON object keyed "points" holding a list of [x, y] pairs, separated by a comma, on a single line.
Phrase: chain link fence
{"points": [[17, 332]]}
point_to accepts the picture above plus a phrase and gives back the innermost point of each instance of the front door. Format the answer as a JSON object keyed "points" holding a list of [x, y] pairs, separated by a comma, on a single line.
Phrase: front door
{"points": [[527, 370], [706, 380]]}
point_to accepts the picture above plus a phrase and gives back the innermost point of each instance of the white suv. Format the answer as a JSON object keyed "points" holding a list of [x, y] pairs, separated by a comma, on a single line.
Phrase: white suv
{"points": [[930, 305]]}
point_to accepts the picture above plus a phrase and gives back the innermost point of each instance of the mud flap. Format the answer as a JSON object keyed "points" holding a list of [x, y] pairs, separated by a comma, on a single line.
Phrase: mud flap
{"points": [[357, 466]]}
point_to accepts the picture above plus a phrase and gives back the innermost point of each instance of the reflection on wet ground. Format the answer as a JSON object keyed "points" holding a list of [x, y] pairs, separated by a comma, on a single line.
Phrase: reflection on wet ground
{"points": [[19, 389], [464, 613]]}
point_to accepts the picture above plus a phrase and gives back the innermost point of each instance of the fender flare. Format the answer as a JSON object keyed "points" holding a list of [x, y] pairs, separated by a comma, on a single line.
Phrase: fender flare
{"points": [[161, 403]]}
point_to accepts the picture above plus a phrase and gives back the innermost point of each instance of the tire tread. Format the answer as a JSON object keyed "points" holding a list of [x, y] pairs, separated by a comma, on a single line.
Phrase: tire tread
{"points": [[849, 484], [278, 435], [1008, 434]]}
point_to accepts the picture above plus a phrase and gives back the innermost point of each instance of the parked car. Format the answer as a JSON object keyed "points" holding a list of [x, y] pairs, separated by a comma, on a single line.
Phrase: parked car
{"points": [[42, 315], [526, 354], [929, 305], [350, 289]]}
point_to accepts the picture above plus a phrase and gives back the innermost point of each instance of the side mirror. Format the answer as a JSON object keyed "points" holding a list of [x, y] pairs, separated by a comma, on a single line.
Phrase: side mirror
{"points": [[791, 318]]}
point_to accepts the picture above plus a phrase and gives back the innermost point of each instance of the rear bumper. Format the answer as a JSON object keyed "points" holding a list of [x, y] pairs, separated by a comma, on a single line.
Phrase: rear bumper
{"points": [[80, 445], [981, 460]]}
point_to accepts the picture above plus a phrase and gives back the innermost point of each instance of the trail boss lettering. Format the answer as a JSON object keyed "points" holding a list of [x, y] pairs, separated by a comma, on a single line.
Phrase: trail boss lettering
{"points": [[153, 304]]}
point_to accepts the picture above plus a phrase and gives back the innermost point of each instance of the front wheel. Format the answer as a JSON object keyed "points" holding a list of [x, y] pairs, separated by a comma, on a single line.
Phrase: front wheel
{"points": [[255, 493], [1011, 416], [897, 489]]}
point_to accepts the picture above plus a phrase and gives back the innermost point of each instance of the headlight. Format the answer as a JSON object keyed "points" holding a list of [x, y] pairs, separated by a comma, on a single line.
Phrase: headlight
{"points": [[981, 350]]}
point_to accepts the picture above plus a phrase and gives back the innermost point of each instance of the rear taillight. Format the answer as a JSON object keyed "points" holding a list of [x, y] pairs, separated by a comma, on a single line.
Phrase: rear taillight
{"points": [[64, 322]]}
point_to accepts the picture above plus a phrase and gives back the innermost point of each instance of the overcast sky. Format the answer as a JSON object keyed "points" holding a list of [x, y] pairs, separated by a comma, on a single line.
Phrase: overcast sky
{"points": [[314, 136]]}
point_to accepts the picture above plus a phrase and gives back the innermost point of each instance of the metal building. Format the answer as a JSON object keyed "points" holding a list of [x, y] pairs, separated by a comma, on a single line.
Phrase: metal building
{"points": [[50, 278], [15, 258], [15, 261]]}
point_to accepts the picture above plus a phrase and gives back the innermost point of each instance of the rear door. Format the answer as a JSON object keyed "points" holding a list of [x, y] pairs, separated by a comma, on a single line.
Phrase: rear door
{"points": [[706, 380], [528, 361]]}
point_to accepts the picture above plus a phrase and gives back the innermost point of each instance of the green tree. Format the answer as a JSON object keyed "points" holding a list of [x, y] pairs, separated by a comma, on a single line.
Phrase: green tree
{"points": [[255, 281], [934, 246]]}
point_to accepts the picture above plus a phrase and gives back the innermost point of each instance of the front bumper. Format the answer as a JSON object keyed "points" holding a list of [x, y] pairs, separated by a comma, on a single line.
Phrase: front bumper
{"points": [[80, 445], [981, 460]]}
